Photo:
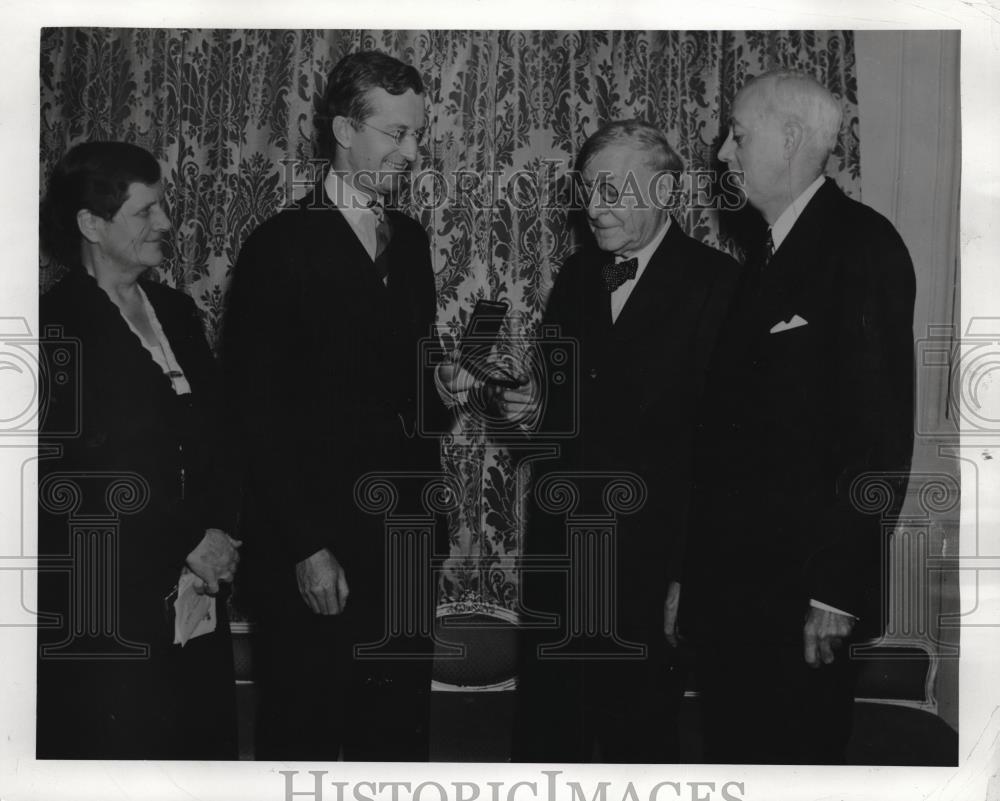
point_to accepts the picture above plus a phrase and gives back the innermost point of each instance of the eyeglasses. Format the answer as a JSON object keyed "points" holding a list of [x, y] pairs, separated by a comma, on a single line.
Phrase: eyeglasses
{"points": [[400, 134], [605, 192]]}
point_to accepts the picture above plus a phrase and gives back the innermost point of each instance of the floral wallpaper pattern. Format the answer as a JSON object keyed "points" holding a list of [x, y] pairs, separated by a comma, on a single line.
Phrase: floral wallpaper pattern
{"points": [[228, 113]]}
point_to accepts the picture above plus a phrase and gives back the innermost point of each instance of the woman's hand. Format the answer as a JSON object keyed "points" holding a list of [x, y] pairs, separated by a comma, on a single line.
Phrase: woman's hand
{"points": [[214, 560]]}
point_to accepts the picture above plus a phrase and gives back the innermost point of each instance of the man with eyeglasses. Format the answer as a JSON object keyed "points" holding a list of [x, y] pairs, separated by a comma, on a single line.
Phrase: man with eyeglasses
{"points": [[329, 301]]}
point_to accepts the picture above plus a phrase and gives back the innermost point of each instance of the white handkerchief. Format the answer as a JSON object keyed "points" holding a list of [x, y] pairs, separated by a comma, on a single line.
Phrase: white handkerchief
{"points": [[194, 614], [788, 325]]}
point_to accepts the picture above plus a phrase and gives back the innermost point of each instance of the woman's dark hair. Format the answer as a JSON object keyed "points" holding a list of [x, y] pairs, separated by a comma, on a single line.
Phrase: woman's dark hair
{"points": [[93, 176], [348, 85]]}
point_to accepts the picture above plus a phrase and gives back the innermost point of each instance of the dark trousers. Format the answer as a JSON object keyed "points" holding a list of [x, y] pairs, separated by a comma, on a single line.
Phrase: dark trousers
{"points": [[318, 700], [179, 703], [618, 711], [764, 705]]}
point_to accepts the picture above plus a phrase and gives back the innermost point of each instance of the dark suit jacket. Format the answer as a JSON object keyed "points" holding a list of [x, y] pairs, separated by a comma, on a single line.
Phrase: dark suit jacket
{"points": [[792, 419], [321, 363], [132, 422], [637, 385]]}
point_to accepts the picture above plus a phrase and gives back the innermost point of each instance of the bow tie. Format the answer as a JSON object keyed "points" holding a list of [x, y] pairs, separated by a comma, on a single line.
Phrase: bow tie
{"points": [[614, 275]]}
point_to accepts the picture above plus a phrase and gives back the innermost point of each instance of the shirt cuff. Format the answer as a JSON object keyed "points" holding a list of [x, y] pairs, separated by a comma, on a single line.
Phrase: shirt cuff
{"points": [[820, 605], [450, 399]]}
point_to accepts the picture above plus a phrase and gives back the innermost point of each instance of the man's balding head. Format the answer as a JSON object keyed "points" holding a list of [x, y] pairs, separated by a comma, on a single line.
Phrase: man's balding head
{"points": [[791, 96], [784, 126]]}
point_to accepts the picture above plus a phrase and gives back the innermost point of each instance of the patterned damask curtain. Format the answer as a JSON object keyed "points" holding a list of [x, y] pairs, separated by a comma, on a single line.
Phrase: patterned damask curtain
{"points": [[229, 116]]}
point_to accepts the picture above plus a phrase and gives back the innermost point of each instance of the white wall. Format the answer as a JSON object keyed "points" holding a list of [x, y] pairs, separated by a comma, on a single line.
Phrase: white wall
{"points": [[908, 97]]}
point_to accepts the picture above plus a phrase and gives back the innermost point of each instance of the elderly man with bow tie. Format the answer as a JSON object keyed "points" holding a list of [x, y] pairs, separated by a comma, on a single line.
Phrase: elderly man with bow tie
{"points": [[642, 302]]}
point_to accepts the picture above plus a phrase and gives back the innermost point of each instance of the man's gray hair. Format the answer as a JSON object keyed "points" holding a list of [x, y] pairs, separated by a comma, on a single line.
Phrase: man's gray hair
{"points": [[796, 96], [642, 135]]}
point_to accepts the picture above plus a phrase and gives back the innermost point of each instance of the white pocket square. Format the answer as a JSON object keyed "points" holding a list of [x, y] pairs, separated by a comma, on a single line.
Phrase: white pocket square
{"points": [[788, 325]]}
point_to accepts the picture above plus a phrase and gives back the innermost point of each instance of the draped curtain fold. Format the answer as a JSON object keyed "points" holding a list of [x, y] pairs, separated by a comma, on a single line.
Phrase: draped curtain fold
{"points": [[228, 114]]}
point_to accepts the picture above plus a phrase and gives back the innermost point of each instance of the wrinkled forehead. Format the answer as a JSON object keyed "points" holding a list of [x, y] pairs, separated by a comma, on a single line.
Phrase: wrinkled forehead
{"points": [[750, 104], [615, 162]]}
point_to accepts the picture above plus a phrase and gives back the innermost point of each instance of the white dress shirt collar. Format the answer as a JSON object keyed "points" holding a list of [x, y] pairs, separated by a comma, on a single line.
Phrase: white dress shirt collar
{"points": [[642, 256], [354, 205], [783, 225]]}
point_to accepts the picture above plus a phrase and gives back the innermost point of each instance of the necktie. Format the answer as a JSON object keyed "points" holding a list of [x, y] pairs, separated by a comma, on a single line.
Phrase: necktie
{"points": [[614, 275], [383, 233], [768, 251]]}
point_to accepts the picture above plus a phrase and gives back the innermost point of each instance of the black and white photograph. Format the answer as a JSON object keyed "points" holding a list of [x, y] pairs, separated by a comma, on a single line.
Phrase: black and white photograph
{"points": [[590, 410]]}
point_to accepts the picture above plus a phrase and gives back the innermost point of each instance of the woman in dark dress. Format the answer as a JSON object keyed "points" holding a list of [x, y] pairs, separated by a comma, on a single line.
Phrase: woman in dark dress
{"points": [[134, 503]]}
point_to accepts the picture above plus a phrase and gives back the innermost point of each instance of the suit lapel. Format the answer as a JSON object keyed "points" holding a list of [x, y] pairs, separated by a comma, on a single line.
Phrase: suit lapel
{"points": [[596, 300], [788, 276], [335, 248], [785, 268], [656, 290]]}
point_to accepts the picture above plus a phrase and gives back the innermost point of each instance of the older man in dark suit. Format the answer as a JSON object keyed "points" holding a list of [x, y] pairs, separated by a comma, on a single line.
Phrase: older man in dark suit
{"points": [[328, 305], [808, 410], [642, 304]]}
